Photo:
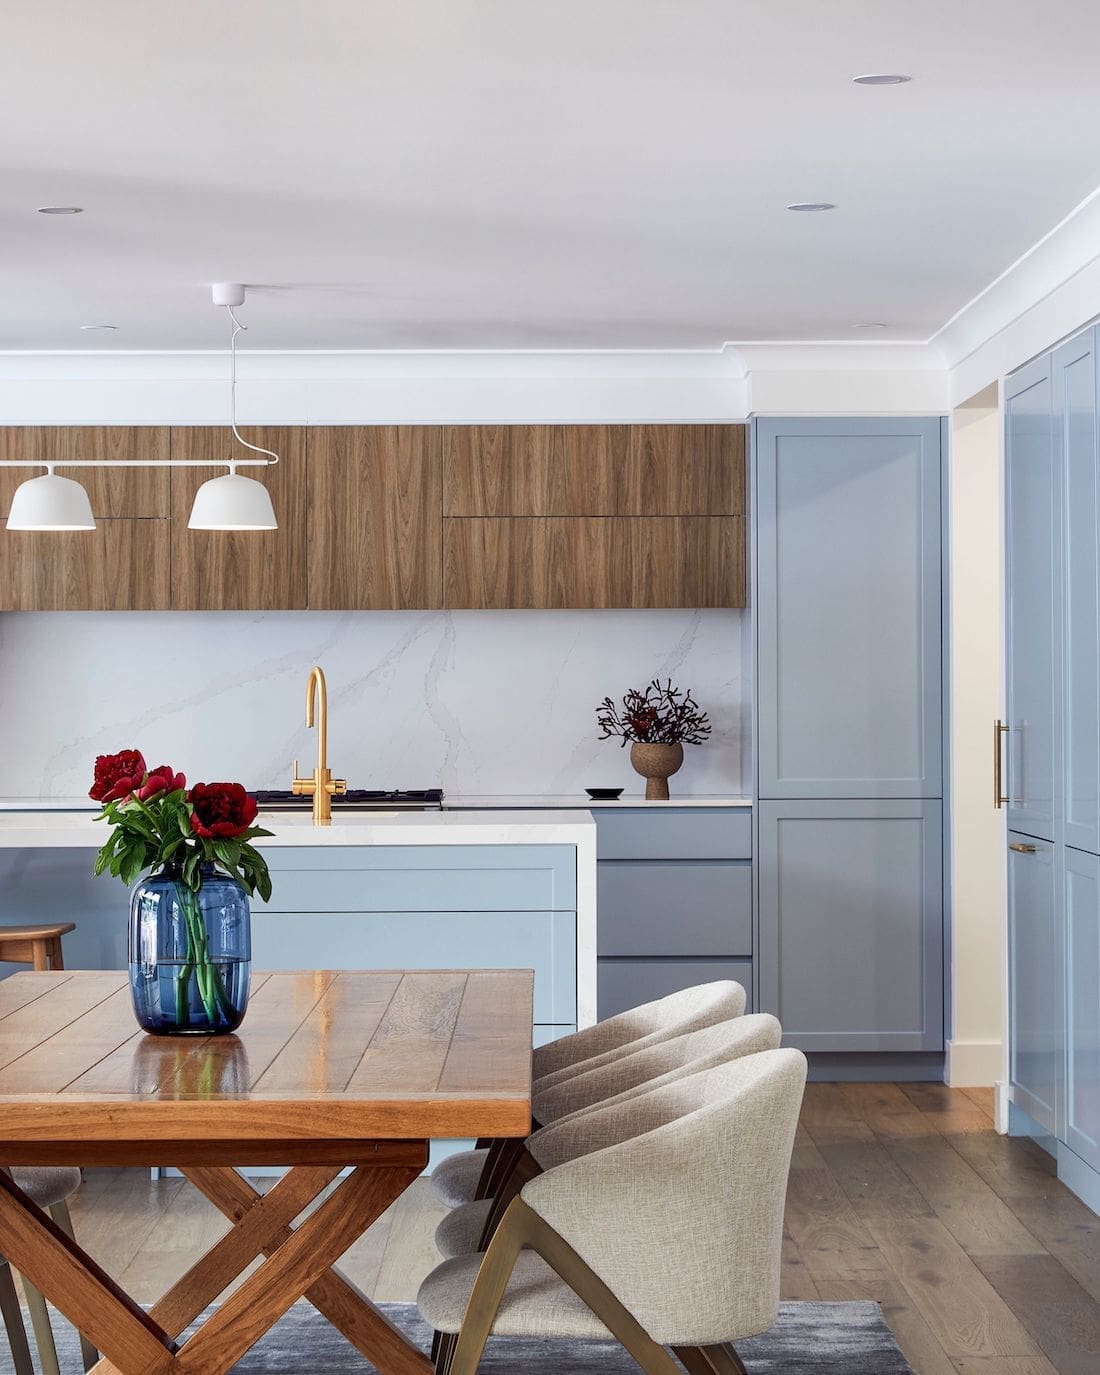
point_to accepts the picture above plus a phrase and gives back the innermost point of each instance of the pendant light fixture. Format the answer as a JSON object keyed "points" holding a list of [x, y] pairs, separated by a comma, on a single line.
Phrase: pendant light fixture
{"points": [[233, 502], [50, 502]]}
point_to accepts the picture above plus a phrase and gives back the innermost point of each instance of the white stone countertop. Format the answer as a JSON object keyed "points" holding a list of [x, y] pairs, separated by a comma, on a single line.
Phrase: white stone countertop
{"points": [[45, 828], [582, 801]]}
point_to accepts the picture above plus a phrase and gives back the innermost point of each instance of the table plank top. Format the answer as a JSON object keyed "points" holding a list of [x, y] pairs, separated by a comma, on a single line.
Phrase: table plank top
{"points": [[321, 1055]]}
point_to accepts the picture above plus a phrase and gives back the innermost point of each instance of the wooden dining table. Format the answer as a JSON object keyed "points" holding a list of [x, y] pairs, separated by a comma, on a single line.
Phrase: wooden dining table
{"points": [[331, 1071]]}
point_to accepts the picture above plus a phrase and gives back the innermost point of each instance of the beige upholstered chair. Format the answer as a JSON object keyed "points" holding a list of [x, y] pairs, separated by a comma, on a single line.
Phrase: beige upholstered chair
{"points": [[667, 1235], [49, 1188], [470, 1174], [571, 1105]]}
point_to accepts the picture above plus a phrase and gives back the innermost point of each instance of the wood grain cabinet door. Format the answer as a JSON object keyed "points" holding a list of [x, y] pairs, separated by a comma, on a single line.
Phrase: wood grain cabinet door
{"points": [[594, 470], [558, 562], [248, 570], [122, 565], [375, 517]]}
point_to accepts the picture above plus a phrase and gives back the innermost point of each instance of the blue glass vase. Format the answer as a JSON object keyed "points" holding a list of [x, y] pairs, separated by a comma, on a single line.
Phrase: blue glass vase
{"points": [[190, 953]]}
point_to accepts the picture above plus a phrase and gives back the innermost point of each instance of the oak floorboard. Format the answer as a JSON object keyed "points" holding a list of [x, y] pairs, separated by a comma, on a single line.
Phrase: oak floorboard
{"points": [[1004, 1365], [820, 1215], [795, 1281], [956, 1300], [410, 1253], [947, 1109], [972, 1212], [1061, 1317]]}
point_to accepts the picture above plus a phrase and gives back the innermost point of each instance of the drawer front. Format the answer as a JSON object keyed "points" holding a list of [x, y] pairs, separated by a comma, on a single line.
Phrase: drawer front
{"points": [[673, 907], [542, 941], [694, 833], [627, 983], [436, 878]]}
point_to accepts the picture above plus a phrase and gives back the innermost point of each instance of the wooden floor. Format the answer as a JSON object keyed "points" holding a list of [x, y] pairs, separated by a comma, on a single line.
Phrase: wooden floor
{"points": [[983, 1263]]}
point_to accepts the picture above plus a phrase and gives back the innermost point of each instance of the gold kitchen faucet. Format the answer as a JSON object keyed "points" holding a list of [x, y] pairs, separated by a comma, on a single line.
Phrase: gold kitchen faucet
{"points": [[322, 786]]}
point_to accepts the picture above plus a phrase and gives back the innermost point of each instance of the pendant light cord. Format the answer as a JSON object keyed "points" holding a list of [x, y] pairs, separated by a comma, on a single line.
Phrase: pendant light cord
{"points": [[237, 327]]}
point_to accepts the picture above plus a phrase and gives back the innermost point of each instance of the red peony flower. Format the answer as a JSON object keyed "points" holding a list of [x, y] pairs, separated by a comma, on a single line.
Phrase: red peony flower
{"points": [[221, 810], [117, 775], [162, 779]]}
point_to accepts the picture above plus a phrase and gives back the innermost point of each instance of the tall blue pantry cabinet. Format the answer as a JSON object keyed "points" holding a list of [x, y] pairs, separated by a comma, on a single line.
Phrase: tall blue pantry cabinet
{"points": [[848, 594], [1049, 754]]}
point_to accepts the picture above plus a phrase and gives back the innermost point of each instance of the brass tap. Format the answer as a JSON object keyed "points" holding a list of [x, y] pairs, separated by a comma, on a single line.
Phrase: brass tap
{"points": [[322, 786]]}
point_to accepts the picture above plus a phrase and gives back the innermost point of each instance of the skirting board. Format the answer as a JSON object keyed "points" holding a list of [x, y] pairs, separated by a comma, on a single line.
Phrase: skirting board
{"points": [[873, 1067], [973, 1064]]}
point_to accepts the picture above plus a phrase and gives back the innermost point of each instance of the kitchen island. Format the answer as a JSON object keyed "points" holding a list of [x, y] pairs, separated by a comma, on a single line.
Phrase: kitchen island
{"points": [[373, 890]]}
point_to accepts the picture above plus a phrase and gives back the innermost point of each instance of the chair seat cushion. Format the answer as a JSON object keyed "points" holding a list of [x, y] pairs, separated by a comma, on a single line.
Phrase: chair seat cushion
{"points": [[459, 1234], [536, 1303], [455, 1180], [46, 1185]]}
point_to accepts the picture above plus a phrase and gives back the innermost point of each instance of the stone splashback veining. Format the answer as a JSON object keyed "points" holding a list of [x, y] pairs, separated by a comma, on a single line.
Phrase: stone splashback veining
{"points": [[475, 702]]}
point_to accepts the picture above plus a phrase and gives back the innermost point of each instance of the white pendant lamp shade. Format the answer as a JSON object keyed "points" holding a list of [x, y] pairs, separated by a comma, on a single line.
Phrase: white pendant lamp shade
{"points": [[50, 502], [232, 503]]}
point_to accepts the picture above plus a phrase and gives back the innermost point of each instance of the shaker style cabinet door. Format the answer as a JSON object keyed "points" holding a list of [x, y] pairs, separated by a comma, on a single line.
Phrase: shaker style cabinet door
{"points": [[1082, 908], [1035, 981], [848, 608], [1075, 428], [851, 923], [1033, 574]]}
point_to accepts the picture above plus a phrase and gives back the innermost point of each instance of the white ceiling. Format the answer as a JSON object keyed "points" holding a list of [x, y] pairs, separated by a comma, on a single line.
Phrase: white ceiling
{"points": [[491, 174]]}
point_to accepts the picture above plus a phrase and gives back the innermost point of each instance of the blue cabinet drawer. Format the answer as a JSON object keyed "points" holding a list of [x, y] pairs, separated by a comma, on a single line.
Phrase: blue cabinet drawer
{"points": [[435, 878], [627, 983], [543, 941], [694, 833], [673, 907]]}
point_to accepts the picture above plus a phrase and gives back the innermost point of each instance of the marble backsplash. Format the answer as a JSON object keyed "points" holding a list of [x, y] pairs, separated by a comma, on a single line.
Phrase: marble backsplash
{"points": [[477, 702]]}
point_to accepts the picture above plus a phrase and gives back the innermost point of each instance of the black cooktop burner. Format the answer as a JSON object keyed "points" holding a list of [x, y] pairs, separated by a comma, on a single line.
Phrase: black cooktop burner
{"points": [[355, 799]]}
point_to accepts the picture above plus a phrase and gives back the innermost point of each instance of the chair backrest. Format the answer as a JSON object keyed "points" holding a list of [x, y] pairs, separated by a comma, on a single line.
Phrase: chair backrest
{"points": [[638, 1071], [683, 1220], [689, 1009]]}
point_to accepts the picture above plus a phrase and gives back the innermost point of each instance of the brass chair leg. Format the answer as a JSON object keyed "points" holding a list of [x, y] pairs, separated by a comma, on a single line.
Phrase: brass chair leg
{"points": [[60, 1214], [43, 1332], [521, 1226], [710, 1360], [12, 1316], [445, 1352]]}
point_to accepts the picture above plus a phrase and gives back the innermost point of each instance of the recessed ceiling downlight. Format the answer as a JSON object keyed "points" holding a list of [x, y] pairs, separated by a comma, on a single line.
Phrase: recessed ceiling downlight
{"points": [[870, 324], [61, 210], [811, 207], [882, 79], [98, 327]]}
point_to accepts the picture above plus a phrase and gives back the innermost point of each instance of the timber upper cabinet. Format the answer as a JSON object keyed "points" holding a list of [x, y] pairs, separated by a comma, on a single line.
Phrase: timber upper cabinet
{"points": [[122, 564], [387, 517], [548, 516]]}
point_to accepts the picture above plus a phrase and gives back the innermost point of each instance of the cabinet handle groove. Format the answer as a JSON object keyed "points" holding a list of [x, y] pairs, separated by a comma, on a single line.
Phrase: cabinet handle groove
{"points": [[1000, 730], [1023, 849]]}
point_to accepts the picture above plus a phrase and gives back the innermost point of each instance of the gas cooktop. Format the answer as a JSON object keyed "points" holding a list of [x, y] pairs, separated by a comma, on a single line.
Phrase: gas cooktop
{"points": [[355, 799]]}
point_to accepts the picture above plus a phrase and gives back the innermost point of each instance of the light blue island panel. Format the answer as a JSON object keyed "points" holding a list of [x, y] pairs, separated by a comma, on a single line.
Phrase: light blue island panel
{"points": [[848, 608], [427, 907]]}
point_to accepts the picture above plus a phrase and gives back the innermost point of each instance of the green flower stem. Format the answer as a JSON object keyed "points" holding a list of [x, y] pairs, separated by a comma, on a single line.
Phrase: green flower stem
{"points": [[208, 978]]}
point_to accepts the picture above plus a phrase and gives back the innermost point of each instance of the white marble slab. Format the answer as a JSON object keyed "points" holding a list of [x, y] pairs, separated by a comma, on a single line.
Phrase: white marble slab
{"points": [[461, 801], [475, 702]]}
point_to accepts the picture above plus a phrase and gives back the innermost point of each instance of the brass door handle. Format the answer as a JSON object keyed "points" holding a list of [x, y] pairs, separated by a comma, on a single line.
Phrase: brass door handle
{"points": [[1000, 730], [1023, 849]]}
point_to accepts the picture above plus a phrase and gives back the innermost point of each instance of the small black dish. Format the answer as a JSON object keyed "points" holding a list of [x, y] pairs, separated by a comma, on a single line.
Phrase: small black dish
{"points": [[604, 794]]}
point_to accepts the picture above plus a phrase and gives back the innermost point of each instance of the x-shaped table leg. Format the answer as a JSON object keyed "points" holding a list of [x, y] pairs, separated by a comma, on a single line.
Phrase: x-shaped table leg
{"points": [[299, 1261]]}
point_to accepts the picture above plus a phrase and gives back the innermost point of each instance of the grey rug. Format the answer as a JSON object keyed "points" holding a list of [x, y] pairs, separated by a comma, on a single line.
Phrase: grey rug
{"points": [[808, 1339]]}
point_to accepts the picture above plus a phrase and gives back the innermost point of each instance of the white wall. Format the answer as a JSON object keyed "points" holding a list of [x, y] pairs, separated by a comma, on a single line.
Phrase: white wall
{"points": [[477, 702], [977, 842]]}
